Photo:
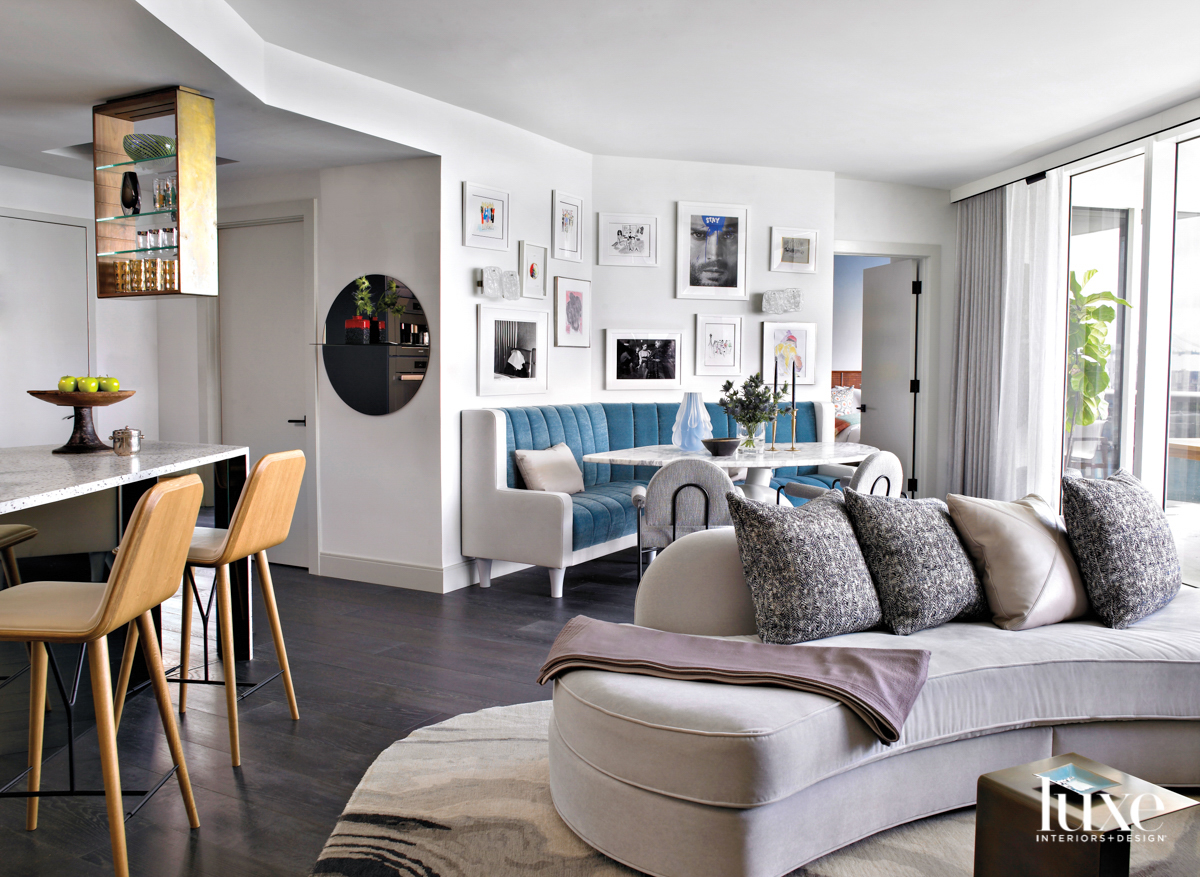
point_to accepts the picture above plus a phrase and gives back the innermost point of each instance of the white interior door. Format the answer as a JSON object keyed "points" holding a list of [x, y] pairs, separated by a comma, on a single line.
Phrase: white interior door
{"points": [[265, 353], [44, 311], [889, 335]]}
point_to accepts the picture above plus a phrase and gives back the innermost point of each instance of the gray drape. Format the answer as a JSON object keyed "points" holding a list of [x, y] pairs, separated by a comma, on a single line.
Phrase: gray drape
{"points": [[975, 389]]}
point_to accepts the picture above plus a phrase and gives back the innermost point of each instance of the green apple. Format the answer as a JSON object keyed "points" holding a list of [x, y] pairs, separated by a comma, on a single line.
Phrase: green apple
{"points": [[88, 385], [66, 384], [109, 385]]}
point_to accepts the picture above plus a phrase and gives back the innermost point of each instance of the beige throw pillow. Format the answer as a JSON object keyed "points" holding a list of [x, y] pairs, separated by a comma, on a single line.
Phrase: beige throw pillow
{"points": [[1024, 559], [553, 469]]}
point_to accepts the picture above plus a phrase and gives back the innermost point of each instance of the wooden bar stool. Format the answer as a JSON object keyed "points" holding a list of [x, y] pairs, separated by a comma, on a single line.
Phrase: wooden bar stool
{"points": [[261, 520], [10, 535], [146, 572]]}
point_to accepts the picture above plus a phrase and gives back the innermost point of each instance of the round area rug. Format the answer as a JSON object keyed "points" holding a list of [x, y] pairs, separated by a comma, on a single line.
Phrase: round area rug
{"points": [[471, 797]]}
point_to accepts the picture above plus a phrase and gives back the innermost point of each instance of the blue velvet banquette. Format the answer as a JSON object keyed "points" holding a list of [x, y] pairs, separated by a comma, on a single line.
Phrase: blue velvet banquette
{"points": [[604, 511]]}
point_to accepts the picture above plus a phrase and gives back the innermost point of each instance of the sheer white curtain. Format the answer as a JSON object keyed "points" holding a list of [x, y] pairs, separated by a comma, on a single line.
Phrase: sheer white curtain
{"points": [[1026, 453]]}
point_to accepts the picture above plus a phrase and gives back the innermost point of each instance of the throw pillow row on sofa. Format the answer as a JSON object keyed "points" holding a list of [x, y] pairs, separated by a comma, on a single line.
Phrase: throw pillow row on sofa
{"points": [[839, 566]]}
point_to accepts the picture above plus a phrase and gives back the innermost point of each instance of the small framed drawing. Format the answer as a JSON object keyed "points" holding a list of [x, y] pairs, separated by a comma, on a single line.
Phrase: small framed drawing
{"points": [[512, 351], [572, 312], [788, 343], [710, 250], [566, 230], [718, 344], [794, 250], [642, 359], [532, 259], [629, 239], [485, 217]]}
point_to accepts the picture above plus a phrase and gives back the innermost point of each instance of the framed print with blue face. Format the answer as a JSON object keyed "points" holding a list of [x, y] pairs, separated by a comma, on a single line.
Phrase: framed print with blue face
{"points": [[485, 217], [710, 250]]}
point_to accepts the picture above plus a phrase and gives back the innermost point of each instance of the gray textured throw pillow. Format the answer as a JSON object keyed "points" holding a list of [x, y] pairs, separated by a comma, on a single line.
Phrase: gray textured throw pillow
{"points": [[1123, 546], [921, 570], [806, 575]]}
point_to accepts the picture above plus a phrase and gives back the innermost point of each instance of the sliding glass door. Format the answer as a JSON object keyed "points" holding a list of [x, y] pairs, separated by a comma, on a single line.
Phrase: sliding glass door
{"points": [[1183, 417], [1103, 264]]}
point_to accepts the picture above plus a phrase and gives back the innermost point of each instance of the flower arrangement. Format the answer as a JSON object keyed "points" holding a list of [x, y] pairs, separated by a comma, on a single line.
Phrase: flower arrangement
{"points": [[754, 404]]}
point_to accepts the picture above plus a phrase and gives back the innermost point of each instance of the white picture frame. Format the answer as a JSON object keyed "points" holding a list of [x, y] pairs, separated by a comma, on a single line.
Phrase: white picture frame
{"points": [[803, 342], [499, 370], [627, 239], [531, 260], [719, 344], [794, 250], [634, 359], [566, 227], [485, 217], [572, 312], [711, 243]]}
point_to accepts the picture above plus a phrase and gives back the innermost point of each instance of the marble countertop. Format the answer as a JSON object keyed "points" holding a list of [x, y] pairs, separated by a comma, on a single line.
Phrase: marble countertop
{"points": [[33, 476], [806, 454]]}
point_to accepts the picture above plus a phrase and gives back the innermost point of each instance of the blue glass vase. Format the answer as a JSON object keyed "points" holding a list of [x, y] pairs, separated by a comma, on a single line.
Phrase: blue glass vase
{"points": [[692, 423]]}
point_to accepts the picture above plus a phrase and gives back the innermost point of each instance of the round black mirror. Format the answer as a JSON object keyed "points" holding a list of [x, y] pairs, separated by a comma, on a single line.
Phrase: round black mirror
{"points": [[376, 346]]}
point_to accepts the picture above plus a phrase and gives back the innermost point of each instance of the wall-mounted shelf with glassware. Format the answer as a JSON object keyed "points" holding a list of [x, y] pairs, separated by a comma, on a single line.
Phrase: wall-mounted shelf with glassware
{"points": [[156, 195]]}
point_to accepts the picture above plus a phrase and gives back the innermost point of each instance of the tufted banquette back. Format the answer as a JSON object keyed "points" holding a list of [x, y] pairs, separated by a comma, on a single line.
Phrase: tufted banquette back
{"points": [[615, 426]]}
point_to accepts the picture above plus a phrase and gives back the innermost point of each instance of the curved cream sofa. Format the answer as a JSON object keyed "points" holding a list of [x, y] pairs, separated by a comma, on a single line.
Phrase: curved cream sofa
{"points": [[691, 779]]}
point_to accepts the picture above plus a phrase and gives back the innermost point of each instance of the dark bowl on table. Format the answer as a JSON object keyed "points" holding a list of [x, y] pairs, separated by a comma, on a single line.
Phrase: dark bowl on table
{"points": [[721, 447]]}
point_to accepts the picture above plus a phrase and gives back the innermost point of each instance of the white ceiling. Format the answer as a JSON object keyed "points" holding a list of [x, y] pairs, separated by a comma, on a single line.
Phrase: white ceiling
{"points": [[59, 59], [936, 92]]}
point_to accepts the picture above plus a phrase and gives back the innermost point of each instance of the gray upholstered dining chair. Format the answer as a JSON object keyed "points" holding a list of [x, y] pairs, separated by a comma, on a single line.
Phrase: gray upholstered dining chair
{"points": [[880, 474], [682, 497]]}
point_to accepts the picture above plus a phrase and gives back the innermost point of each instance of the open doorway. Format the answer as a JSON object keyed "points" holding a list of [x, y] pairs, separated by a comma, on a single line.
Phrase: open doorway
{"points": [[878, 319], [847, 354]]}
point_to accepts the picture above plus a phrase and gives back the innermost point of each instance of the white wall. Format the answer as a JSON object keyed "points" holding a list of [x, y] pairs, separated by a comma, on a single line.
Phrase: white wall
{"points": [[644, 298], [893, 213], [124, 335]]}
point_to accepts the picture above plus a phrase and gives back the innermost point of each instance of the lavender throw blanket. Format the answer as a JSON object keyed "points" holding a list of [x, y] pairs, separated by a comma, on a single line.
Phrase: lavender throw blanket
{"points": [[880, 685]]}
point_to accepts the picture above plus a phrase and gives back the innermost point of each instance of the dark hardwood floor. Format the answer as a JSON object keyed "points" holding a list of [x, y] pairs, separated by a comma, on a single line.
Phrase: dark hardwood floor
{"points": [[370, 664]]}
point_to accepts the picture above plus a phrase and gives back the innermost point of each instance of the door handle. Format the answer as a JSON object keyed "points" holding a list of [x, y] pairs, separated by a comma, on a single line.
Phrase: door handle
{"points": [[860, 408], [303, 421]]}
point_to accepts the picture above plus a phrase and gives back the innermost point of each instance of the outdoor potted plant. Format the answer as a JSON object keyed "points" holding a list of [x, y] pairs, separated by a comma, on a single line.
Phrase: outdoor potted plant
{"points": [[752, 407], [358, 327]]}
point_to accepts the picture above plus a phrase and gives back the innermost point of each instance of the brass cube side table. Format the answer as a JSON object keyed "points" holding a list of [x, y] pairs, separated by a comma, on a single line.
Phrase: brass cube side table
{"points": [[1008, 823]]}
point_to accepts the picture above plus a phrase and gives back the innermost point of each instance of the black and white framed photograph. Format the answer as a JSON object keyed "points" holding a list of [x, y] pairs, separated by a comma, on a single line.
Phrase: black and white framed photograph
{"points": [[512, 351], [718, 344], [485, 217], [572, 312], [794, 250], [532, 260], [710, 250], [628, 239], [785, 344], [642, 359], [566, 233]]}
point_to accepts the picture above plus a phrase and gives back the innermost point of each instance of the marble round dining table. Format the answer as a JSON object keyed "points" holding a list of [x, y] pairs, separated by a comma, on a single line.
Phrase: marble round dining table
{"points": [[759, 465]]}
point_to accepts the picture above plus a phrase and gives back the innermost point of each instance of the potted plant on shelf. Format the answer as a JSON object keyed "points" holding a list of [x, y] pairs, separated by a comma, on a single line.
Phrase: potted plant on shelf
{"points": [[388, 303], [358, 327], [752, 407]]}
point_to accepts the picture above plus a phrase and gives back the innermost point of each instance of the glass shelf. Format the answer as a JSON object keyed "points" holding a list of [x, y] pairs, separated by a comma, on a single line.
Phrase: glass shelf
{"points": [[149, 165], [368, 346], [134, 217], [143, 250]]}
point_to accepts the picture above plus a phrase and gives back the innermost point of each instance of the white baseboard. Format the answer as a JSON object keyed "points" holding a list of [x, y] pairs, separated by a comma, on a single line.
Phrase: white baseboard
{"points": [[431, 579]]}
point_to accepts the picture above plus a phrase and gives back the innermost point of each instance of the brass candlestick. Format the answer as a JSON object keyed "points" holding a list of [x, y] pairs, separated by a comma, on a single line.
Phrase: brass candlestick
{"points": [[774, 421], [793, 428]]}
